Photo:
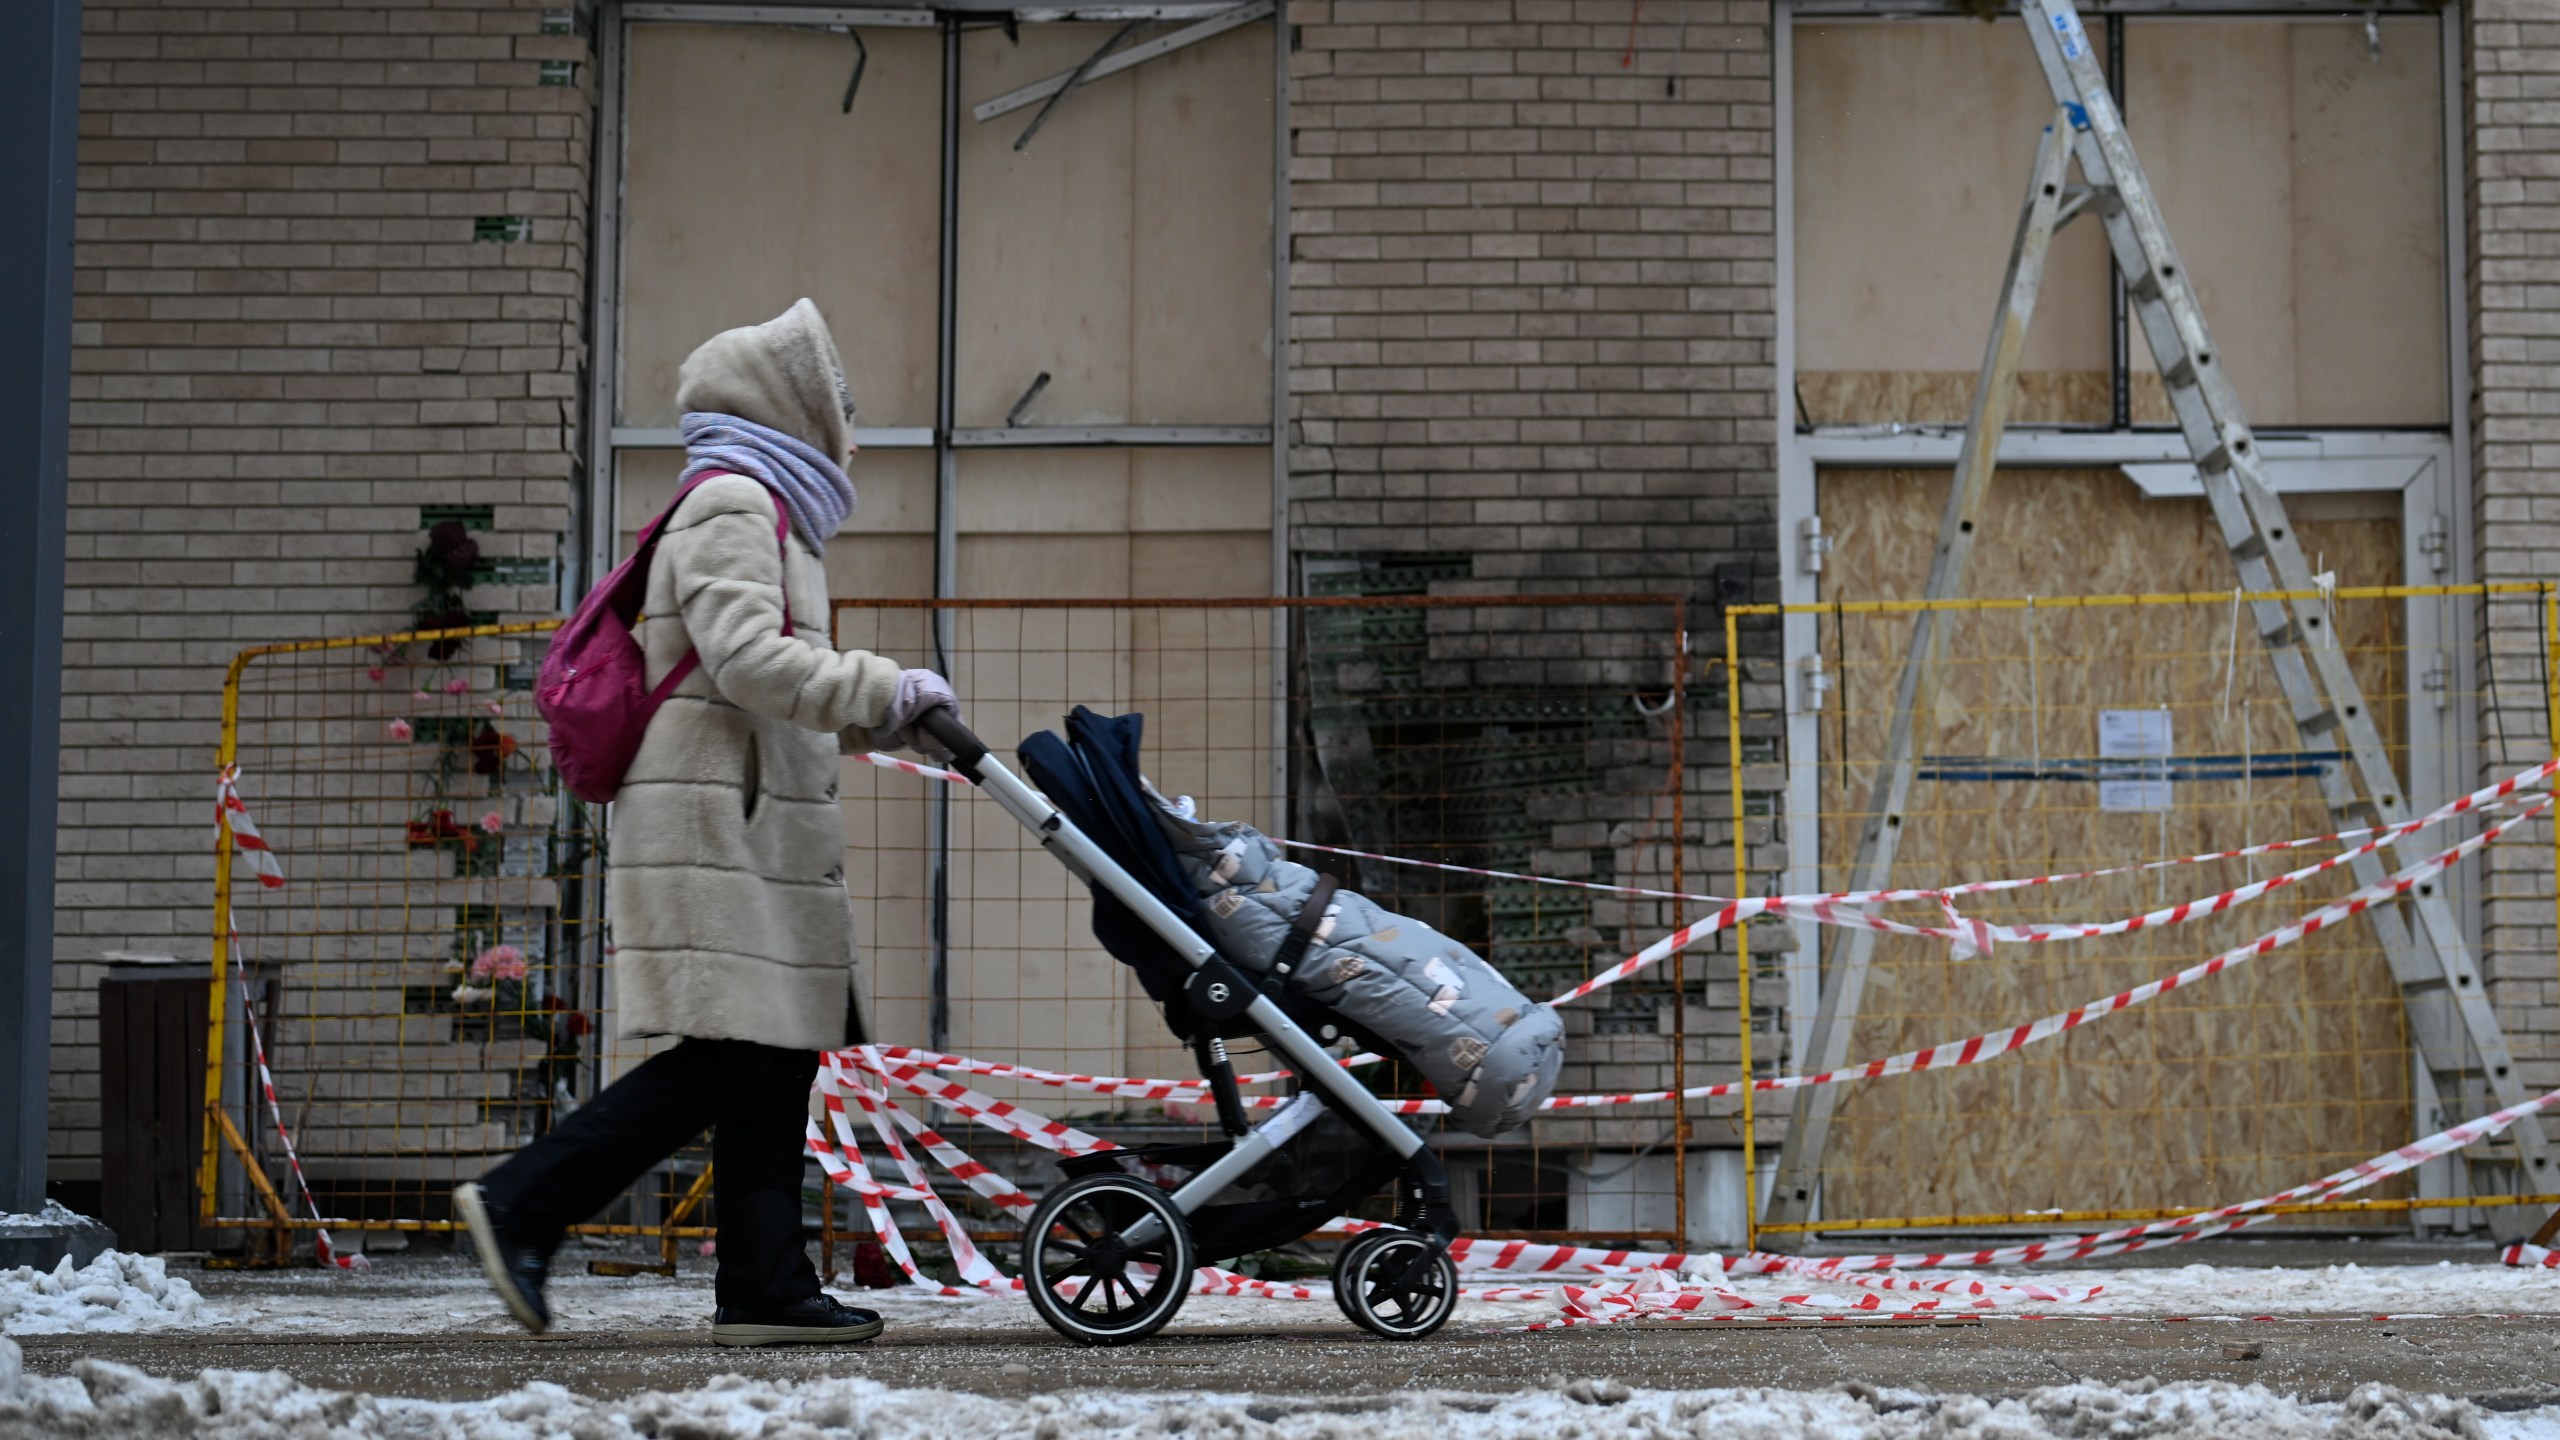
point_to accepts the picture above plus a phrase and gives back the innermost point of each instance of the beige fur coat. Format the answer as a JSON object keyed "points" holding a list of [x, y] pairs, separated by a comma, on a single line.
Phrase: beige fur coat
{"points": [[727, 890]]}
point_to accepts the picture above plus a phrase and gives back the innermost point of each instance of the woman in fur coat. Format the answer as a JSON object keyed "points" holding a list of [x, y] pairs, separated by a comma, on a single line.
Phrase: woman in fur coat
{"points": [[731, 925]]}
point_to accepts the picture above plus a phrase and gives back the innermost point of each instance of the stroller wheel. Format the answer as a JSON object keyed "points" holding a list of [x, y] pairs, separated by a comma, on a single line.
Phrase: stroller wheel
{"points": [[1107, 1259], [1390, 1284]]}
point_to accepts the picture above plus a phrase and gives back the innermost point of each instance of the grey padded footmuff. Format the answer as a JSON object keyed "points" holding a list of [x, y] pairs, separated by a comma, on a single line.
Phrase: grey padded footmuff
{"points": [[1489, 1052]]}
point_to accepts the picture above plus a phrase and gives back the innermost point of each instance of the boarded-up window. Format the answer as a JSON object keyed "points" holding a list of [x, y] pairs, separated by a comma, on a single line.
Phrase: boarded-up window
{"points": [[2301, 170], [747, 185], [1124, 253]]}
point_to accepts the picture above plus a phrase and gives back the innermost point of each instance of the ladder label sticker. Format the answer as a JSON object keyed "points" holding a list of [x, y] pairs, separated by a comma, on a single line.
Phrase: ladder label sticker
{"points": [[2066, 28]]}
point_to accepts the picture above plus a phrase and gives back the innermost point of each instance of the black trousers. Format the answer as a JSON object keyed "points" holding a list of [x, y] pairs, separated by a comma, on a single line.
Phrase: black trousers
{"points": [[753, 1098]]}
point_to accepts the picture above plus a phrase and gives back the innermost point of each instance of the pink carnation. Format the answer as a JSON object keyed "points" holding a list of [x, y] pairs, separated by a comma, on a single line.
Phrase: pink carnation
{"points": [[499, 962], [400, 730], [457, 686], [375, 674], [493, 822], [420, 695], [495, 707]]}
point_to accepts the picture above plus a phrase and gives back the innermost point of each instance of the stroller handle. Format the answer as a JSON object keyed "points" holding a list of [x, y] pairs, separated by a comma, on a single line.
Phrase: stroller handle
{"points": [[942, 722]]}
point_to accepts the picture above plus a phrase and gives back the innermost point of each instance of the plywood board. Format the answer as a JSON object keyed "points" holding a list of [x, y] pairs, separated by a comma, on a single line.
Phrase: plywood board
{"points": [[2303, 176], [1945, 397], [2301, 173], [1126, 251], [1201, 268], [748, 186], [2267, 1075], [2369, 226], [1913, 140], [1045, 237]]}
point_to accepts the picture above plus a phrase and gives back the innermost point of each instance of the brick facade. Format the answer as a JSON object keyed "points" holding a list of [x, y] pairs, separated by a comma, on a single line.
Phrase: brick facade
{"points": [[1531, 290], [286, 341], [1532, 325], [1532, 328], [2512, 185]]}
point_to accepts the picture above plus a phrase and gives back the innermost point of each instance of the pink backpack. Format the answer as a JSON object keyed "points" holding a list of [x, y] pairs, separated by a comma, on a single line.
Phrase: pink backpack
{"points": [[594, 687]]}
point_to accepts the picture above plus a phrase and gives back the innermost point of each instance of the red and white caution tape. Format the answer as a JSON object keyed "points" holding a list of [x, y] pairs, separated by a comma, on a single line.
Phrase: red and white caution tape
{"points": [[1514, 1256], [997, 1114], [1971, 1050], [321, 1246], [833, 1082], [2486, 797], [1976, 1049], [231, 814], [2355, 903], [910, 767], [2531, 1256]]}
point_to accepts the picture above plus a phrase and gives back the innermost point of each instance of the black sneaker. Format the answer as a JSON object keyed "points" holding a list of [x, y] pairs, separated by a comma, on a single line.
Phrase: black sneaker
{"points": [[516, 1271], [819, 1320]]}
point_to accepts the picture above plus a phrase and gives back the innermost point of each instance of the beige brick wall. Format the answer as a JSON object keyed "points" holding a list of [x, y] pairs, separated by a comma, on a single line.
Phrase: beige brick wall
{"points": [[286, 341], [1533, 312], [2513, 183], [1532, 285]]}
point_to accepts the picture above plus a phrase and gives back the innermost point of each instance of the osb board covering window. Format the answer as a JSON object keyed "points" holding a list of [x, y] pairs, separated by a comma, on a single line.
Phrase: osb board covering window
{"points": [[1126, 251], [2270, 1073], [2301, 173], [747, 186]]}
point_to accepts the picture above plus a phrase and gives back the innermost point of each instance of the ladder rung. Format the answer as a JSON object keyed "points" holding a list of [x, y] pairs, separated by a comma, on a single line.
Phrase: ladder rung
{"points": [[2319, 724], [2181, 374], [2285, 636], [2145, 286], [2252, 546]]}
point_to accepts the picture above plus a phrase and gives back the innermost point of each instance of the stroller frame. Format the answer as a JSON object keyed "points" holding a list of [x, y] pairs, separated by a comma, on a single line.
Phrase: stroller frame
{"points": [[1398, 1283]]}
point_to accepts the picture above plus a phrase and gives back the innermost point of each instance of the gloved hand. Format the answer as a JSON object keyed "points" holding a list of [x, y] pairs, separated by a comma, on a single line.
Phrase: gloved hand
{"points": [[918, 692]]}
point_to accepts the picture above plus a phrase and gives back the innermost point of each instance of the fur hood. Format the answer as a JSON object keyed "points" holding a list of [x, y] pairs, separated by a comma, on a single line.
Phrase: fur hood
{"points": [[783, 373]]}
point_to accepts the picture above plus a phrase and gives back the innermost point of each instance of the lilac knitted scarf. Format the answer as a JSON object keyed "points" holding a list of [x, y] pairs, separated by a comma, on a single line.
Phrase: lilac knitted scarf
{"points": [[813, 487]]}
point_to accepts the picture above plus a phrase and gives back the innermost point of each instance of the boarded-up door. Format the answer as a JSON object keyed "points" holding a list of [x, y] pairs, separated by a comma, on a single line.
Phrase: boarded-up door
{"points": [[2269, 1074]]}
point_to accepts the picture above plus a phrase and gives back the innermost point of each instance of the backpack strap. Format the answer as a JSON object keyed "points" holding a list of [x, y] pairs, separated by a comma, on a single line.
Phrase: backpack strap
{"points": [[782, 541]]}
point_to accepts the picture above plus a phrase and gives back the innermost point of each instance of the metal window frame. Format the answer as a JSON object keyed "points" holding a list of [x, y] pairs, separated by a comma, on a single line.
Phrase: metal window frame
{"points": [[608, 440], [2430, 470]]}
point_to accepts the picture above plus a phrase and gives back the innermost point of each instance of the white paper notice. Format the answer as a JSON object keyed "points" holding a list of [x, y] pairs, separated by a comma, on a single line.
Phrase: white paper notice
{"points": [[2134, 747]]}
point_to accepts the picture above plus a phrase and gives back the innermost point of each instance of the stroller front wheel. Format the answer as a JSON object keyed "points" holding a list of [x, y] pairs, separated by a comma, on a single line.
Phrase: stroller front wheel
{"points": [[1107, 1259], [1391, 1283]]}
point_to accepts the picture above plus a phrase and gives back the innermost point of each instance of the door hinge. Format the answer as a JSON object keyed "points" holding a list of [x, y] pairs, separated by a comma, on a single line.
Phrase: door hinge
{"points": [[2437, 544], [1813, 684]]}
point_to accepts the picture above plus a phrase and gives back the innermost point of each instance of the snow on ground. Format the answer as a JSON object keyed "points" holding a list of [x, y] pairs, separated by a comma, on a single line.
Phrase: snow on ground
{"points": [[53, 1213], [114, 1293], [103, 1399], [2444, 1288], [431, 1296]]}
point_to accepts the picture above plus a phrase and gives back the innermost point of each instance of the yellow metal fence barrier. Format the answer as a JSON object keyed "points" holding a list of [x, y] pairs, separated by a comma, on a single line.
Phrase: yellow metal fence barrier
{"points": [[441, 952]]}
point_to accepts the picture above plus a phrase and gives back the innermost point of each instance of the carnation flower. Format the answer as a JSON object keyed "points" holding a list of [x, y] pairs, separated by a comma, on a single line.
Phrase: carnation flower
{"points": [[457, 686], [375, 674], [400, 730], [493, 822], [495, 707], [499, 962], [471, 994]]}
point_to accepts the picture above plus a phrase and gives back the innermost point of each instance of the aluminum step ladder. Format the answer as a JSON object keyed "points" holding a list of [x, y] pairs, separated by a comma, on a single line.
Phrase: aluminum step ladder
{"points": [[2462, 1052]]}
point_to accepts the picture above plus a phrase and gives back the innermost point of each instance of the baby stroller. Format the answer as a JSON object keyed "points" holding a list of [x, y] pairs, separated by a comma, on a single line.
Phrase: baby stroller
{"points": [[1108, 1257]]}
